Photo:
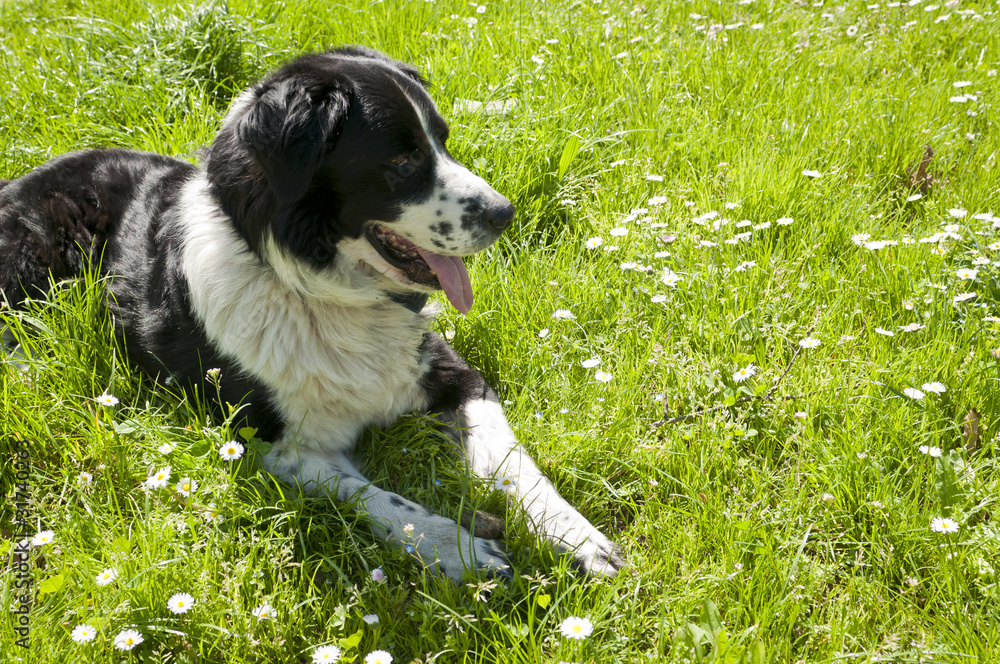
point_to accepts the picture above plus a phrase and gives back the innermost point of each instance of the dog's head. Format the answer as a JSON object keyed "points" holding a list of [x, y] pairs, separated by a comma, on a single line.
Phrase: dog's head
{"points": [[335, 167]]}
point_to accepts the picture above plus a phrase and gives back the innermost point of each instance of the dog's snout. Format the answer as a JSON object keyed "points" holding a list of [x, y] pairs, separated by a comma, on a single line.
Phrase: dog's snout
{"points": [[499, 214]]}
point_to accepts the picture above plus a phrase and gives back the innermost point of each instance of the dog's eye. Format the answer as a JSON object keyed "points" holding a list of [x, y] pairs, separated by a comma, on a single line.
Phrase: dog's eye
{"points": [[414, 158]]}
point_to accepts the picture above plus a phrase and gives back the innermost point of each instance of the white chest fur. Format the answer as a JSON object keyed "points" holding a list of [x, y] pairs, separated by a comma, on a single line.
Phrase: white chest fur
{"points": [[334, 364]]}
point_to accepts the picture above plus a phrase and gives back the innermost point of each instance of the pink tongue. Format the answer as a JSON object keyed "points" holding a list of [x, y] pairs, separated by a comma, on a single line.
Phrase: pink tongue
{"points": [[453, 276]]}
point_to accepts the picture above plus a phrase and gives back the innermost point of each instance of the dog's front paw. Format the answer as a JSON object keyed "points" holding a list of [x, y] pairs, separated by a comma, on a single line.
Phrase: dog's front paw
{"points": [[598, 555], [591, 550], [444, 547], [490, 559]]}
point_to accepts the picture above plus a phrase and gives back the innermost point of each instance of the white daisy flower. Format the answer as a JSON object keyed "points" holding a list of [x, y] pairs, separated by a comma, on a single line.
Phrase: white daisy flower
{"points": [[84, 633], [563, 314], [576, 628], [658, 299], [378, 657], [935, 387], [43, 538], [670, 278], [106, 577], [913, 393], [212, 514], [594, 243], [505, 483], [264, 612], [884, 333], [944, 525], [326, 654], [811, 174], [621, 231], [591, 363], [186, 486], [912, 327], [809, 342], [784, 221], [744, 373], [85, 479], [159, 479], [231, 451], [966, 273], [957, 213], [602, 376], [127, 639], [544, 332], [107, 400], [165, 448], [180, 603]]}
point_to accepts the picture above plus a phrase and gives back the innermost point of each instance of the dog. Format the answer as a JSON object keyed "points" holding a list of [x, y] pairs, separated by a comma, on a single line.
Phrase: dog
{"points": [[298, 257]]}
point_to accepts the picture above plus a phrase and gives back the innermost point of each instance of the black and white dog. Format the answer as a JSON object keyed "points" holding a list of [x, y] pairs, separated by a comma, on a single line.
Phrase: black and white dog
{"points": [[298, 260]]}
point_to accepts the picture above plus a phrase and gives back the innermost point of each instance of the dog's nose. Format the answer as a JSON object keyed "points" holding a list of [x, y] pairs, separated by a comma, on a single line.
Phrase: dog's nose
{"points": [[499, 215]]}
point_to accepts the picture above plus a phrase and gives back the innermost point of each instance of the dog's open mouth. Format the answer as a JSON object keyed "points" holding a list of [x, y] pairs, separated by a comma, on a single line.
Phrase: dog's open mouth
{"points": [[424, 267]]}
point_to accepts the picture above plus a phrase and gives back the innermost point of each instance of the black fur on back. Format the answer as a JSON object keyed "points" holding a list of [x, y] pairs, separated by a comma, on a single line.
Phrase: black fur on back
{"points": [[115, 211]]}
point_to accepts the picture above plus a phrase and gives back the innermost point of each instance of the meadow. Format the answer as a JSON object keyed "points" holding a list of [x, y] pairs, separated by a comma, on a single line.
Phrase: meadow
{"points": [[747, 320]]}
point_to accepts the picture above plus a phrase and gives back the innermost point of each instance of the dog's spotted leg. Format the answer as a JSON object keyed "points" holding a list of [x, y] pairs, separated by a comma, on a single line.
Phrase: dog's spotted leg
{"points": [[439, 543], [493, 452]]}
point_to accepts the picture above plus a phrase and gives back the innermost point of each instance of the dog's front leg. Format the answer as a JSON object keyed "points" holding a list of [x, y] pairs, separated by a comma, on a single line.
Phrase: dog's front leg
{"points": [[493, 452], [439, 543]]}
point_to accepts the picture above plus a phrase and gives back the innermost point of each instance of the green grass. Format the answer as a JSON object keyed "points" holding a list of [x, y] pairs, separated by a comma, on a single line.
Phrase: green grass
{"points": [[794, 528]]}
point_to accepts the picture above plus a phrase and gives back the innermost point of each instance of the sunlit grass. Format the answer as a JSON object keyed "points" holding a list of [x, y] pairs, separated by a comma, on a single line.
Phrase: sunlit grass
{"points": [[787, 515]]}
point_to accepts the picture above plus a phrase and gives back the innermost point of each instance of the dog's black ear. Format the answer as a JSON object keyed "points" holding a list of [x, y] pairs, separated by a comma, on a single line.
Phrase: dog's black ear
{"points": [[287, 130]]}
